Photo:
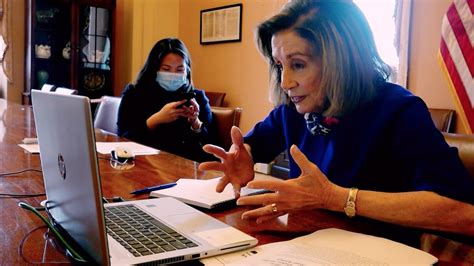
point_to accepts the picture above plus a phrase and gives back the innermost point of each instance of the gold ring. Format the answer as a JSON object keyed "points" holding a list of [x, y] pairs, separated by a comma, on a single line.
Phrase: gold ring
{"points": [[274, 208]]}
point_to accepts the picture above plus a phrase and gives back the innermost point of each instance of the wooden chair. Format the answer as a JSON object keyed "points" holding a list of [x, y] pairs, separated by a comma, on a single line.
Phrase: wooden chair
{"points": [[223, 119], [465, 145], [106, 114], [216, 98], [443, 247], [442, 118]]}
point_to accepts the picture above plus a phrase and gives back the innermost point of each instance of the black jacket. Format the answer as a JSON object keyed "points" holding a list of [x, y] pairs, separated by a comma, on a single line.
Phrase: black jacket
{"points": [[140, 102]]}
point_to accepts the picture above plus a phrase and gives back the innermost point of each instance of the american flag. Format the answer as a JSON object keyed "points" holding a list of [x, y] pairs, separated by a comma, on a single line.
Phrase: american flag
{"points": [[457, 57]]}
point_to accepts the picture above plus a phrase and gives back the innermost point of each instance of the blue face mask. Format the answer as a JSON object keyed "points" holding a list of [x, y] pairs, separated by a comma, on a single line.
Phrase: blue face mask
{"points": [[171, 81]]}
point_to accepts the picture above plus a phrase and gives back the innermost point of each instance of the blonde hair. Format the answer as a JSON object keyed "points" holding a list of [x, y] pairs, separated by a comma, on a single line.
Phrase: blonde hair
{"points": [[351, 68]]}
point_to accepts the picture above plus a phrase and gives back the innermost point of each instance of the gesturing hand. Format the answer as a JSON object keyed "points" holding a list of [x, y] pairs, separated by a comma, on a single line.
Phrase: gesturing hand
{"points": [[236, 164], [310, 190]]}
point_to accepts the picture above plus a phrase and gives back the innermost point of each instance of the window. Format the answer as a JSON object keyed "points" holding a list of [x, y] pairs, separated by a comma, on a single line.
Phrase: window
{"points": [[389, 20]]}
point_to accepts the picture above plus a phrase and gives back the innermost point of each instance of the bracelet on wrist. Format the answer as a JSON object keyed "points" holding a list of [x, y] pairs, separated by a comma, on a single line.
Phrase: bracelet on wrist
{"points": [[198, 129]]}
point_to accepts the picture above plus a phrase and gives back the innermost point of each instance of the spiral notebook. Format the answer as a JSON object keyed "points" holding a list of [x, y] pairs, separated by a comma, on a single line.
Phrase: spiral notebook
{"points": [[202, 193]]}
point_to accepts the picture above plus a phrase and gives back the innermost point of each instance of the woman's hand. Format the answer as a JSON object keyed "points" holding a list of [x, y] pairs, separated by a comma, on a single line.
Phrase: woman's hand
{"points": [[192, 114], [311, 190], [169, 113], [236, 164]]}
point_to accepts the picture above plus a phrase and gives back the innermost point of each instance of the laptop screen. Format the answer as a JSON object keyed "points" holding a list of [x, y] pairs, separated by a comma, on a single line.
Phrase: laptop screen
{"points": [[70, 168]]}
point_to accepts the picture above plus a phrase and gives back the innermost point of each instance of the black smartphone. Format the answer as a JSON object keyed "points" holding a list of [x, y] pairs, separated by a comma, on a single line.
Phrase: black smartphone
{"points": [[188, 96]]}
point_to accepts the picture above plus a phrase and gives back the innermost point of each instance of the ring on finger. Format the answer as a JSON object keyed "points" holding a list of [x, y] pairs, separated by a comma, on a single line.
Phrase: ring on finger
{"points": [[274, 208]]}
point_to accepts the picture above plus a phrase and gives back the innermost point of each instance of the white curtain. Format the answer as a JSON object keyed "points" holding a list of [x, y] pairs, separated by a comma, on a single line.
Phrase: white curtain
{"points": [[5, 52], [402, 39]]}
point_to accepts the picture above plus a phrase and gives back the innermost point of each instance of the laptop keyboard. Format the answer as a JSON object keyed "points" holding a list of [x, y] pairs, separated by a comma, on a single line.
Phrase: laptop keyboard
{"points": [[140, 233]]}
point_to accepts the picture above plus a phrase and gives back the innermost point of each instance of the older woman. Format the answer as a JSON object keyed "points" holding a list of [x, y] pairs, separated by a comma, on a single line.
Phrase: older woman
{"points": [[359, 144]]}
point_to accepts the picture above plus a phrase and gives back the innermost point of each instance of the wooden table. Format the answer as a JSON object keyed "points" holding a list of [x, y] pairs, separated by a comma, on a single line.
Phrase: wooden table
{"points": [[22, 235]]}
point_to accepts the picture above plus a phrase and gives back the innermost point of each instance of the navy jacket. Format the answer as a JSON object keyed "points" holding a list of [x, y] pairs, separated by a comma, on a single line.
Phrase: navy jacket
{"points": [[139, 103], [389, 144]]}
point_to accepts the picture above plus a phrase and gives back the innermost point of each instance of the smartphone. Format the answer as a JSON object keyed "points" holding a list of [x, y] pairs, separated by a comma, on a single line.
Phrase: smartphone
{"points": [[188, 96]]}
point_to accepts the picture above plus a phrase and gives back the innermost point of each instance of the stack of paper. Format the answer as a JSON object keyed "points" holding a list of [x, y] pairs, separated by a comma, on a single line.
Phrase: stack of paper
{"points": [[136, 148], [104, 147], [328, 247]]}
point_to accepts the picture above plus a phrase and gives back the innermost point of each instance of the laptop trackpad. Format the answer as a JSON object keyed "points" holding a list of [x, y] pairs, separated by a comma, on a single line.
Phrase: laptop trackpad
{"points": [[193, 222], [206, 228]]}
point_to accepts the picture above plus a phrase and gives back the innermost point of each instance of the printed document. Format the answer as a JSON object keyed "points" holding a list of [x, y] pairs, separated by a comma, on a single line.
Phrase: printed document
{"points": [[104, 147], [136, 148], [328, 246]]}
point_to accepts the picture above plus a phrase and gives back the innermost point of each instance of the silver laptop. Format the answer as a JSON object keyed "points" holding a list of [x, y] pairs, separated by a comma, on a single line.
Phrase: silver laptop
{"points": [[161, 230]]}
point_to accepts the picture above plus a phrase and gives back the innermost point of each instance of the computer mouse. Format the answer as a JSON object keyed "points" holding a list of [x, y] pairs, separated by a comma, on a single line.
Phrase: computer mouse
{"points": [[122, 154]]}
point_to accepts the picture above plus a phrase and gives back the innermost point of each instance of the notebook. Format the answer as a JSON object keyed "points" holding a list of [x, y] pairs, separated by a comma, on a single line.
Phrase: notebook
{"points": [[202, 193], [72, 183]]}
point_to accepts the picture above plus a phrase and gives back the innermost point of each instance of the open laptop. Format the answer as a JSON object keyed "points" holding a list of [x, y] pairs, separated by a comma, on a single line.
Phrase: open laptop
{"points": [[72, 182]]}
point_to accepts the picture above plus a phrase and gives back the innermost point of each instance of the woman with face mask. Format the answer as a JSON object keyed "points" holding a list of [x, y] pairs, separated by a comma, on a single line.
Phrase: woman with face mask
{"points": [[162, 109]]}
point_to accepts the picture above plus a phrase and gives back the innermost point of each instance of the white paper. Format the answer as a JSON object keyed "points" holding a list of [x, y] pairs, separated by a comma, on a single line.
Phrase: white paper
{"points": [[328, 246], [105, 148], [137, 149], [31, 148]]}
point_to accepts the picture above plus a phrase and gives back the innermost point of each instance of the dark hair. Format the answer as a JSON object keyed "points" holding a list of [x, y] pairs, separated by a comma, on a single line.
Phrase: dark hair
{"points": [[162, 48], [341, 38]]}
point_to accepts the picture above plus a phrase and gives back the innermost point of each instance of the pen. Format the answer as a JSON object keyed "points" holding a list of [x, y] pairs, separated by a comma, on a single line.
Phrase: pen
{"points": [[150, 189]]}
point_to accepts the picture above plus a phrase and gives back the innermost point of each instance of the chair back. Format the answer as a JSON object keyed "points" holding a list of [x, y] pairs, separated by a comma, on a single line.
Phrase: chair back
{"points": [[442, 118], [465, 145], [215, 98], [106, 114], [224, 118]]}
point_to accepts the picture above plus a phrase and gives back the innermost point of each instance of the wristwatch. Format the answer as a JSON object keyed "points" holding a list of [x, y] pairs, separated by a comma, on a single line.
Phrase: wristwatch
{"points": [[350, 208]]}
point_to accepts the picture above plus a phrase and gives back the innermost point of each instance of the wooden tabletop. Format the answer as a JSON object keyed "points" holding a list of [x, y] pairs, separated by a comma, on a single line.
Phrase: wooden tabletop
{"points": [[24, 239]]}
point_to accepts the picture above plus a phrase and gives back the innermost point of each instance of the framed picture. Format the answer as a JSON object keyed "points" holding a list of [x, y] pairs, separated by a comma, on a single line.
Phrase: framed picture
{"points": [[221, 24]]}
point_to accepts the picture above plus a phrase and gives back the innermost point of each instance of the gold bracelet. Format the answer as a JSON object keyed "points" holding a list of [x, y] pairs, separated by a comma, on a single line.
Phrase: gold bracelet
{"points": [[350, 208]]}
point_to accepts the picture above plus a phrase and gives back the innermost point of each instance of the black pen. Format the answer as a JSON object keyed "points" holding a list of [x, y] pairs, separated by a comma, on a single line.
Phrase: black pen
{"points": [[150, 189]]}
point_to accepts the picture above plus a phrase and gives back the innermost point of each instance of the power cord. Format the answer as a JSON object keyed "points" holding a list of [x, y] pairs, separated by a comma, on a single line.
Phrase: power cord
{"points": [[20, 171], [49, 241], [73, 253], [9, 195]]}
